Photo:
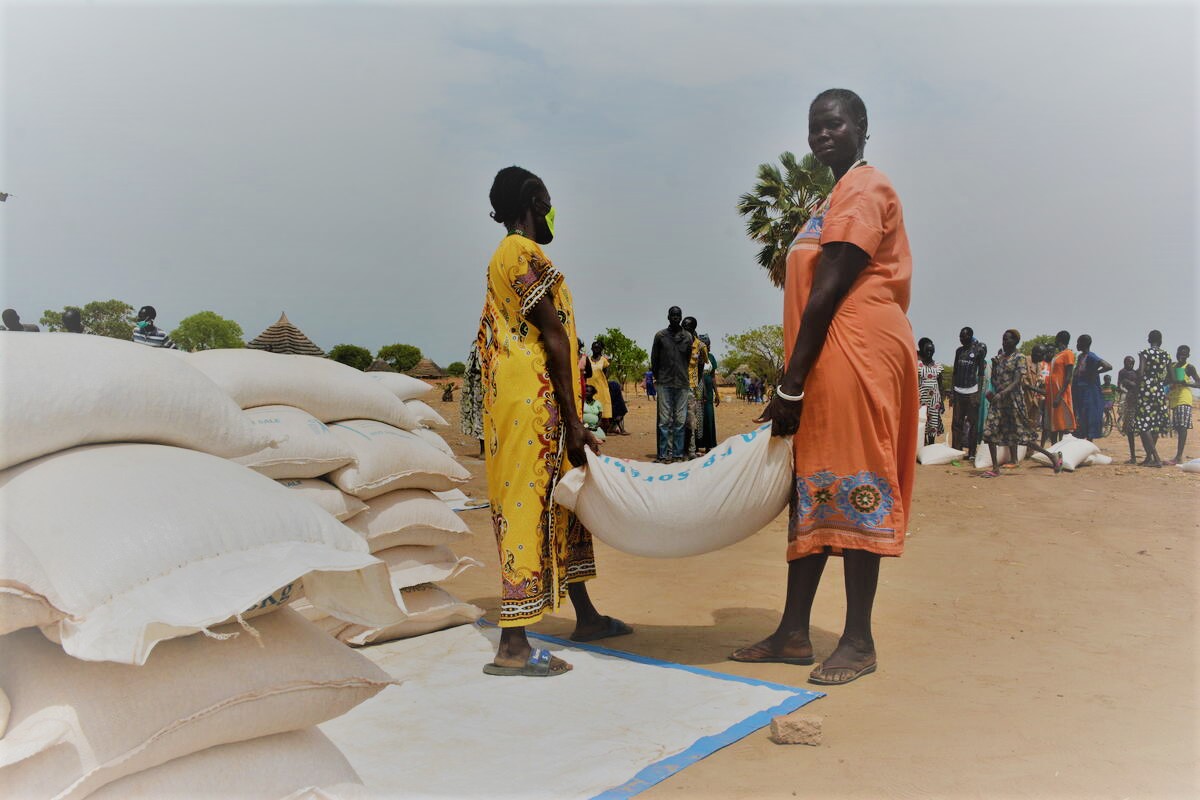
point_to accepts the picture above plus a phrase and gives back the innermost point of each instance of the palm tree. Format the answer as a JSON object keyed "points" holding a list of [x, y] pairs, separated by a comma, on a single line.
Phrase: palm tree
{"points": [[780, 204]]}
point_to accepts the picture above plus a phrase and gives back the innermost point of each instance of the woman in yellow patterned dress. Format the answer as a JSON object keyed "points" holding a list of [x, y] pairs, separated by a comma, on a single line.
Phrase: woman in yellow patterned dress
{"points": [[533, 431]]}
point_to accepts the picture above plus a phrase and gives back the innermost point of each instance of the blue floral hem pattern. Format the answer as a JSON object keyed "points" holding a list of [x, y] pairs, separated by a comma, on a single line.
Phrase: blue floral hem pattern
{"points": [[859, 502]]}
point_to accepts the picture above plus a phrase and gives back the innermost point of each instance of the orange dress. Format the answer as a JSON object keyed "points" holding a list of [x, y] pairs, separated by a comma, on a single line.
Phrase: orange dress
{"points": [[1063, 417], [856, 445]]}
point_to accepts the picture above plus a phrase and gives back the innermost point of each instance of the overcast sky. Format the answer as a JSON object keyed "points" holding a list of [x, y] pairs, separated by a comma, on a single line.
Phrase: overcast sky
{"points": [[334, 162]]}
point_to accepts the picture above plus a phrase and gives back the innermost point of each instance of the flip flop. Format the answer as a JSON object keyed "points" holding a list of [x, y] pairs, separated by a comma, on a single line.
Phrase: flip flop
{"points": [[815, 676], [538, 666], [804, 662], [990, 474], [612, 627]]}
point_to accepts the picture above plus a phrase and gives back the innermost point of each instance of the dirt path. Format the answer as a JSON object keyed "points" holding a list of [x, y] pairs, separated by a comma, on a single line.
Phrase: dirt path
{"points": [[1037, 639]]}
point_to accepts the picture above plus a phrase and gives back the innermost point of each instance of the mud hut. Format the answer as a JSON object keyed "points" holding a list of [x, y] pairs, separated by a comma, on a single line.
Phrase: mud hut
{"points": [[426, 370], [284, 337]]}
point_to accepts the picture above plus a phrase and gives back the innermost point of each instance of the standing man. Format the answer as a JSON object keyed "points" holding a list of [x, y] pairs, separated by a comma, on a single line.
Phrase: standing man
{"points": [[669, 362], [1085, 390], [1060, 404], [697, 361], [145, 332], [969, 361]]}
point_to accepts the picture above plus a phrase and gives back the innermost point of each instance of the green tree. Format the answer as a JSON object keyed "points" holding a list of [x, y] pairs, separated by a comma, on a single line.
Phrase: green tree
{"points": [[351, 355], [99, 317], [207, 330], [401, 357], [1044, 339], [780, 204], [628, 360], [456, 369], [760, 349]]}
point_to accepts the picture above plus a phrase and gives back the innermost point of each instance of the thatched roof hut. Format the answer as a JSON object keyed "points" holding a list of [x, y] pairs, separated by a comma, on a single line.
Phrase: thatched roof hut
{"points": [[379, 365], [426, 369], [284, 337]]}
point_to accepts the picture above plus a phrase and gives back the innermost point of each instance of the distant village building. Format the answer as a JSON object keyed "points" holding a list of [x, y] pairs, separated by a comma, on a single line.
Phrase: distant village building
{"points": [[379, 365], [426, 369], [284, 337]]}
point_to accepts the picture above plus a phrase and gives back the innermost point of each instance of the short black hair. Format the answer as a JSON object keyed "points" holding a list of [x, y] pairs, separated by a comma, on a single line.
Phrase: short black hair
{"points": [[1085, 339], [921, 342], [852, 102], [1063, 337], [1155, 337], [968, 330], [512, 190], [147, 312]]}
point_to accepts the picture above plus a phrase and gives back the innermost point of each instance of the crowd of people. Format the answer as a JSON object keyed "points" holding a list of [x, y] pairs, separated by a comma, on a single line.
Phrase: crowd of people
{"points": [[1018, 400]]}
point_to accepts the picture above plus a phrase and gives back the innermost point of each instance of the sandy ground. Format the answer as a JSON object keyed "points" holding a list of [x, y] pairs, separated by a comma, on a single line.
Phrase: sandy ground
{"points": [[1037, 639]]}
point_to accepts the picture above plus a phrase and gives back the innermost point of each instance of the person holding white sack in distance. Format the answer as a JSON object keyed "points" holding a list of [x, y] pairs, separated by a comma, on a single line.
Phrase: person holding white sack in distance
{"points": [[1010, 422], [848, 394], [533, 431]]}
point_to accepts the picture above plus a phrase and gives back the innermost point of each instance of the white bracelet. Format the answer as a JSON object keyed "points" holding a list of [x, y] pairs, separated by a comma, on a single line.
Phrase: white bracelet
{"points": [[791, 398]]}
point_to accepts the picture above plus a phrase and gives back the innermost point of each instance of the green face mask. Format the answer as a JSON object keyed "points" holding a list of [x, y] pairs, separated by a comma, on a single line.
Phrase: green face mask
{"points": [[550, 220]]}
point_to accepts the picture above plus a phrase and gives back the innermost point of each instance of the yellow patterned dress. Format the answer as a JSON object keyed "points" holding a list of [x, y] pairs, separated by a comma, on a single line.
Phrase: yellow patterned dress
{"points": [[542, 546], [599, 380]]}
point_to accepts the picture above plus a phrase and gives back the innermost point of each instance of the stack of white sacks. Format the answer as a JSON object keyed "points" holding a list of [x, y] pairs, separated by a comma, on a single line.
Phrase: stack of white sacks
{"points": [[140, 566], [375, 466]]}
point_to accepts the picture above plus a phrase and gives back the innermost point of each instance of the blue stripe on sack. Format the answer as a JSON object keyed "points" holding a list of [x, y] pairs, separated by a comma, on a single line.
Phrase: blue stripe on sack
{"points": [[702, 747]]}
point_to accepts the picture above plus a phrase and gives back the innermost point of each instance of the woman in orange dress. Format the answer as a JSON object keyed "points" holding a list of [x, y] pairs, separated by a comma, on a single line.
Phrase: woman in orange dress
{"points": [[849, 394], [1060, 405]]}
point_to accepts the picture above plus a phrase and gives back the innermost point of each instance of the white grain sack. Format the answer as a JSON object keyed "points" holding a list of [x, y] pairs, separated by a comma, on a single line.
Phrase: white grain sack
{"points": [[61, 390], [324, 388], [683, 509], [387, 458], [192, 693], [159, 542], [305, 449]]}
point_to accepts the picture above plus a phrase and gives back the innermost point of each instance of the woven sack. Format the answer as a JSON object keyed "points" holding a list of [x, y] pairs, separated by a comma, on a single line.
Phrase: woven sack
{"points": [[305, 449], [267, 767], [405, 387], [159, 542], [77, 726], [674, 510], [425, 413], [324, 388], [408, 516], [387, 458], [339, 504], [61, 390]]}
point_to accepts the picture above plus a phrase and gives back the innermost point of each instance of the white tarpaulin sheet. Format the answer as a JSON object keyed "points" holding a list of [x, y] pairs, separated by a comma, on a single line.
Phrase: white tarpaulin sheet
{"points": [[613, 726]]}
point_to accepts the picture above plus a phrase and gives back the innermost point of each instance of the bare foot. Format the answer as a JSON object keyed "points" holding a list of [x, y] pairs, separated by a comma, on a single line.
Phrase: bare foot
{"points": [[847, 662], [777, 649]]}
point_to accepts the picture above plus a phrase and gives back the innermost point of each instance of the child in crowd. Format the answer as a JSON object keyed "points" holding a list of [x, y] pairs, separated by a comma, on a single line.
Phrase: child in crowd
{"points": [[592, 412]]}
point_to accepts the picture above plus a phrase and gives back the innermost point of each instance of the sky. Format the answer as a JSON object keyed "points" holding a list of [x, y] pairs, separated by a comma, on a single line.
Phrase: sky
{"points": [[333, 161]]}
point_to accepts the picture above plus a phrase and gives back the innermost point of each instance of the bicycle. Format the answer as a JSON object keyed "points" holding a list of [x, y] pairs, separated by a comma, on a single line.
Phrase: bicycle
{"points": [[1114, 418]]}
